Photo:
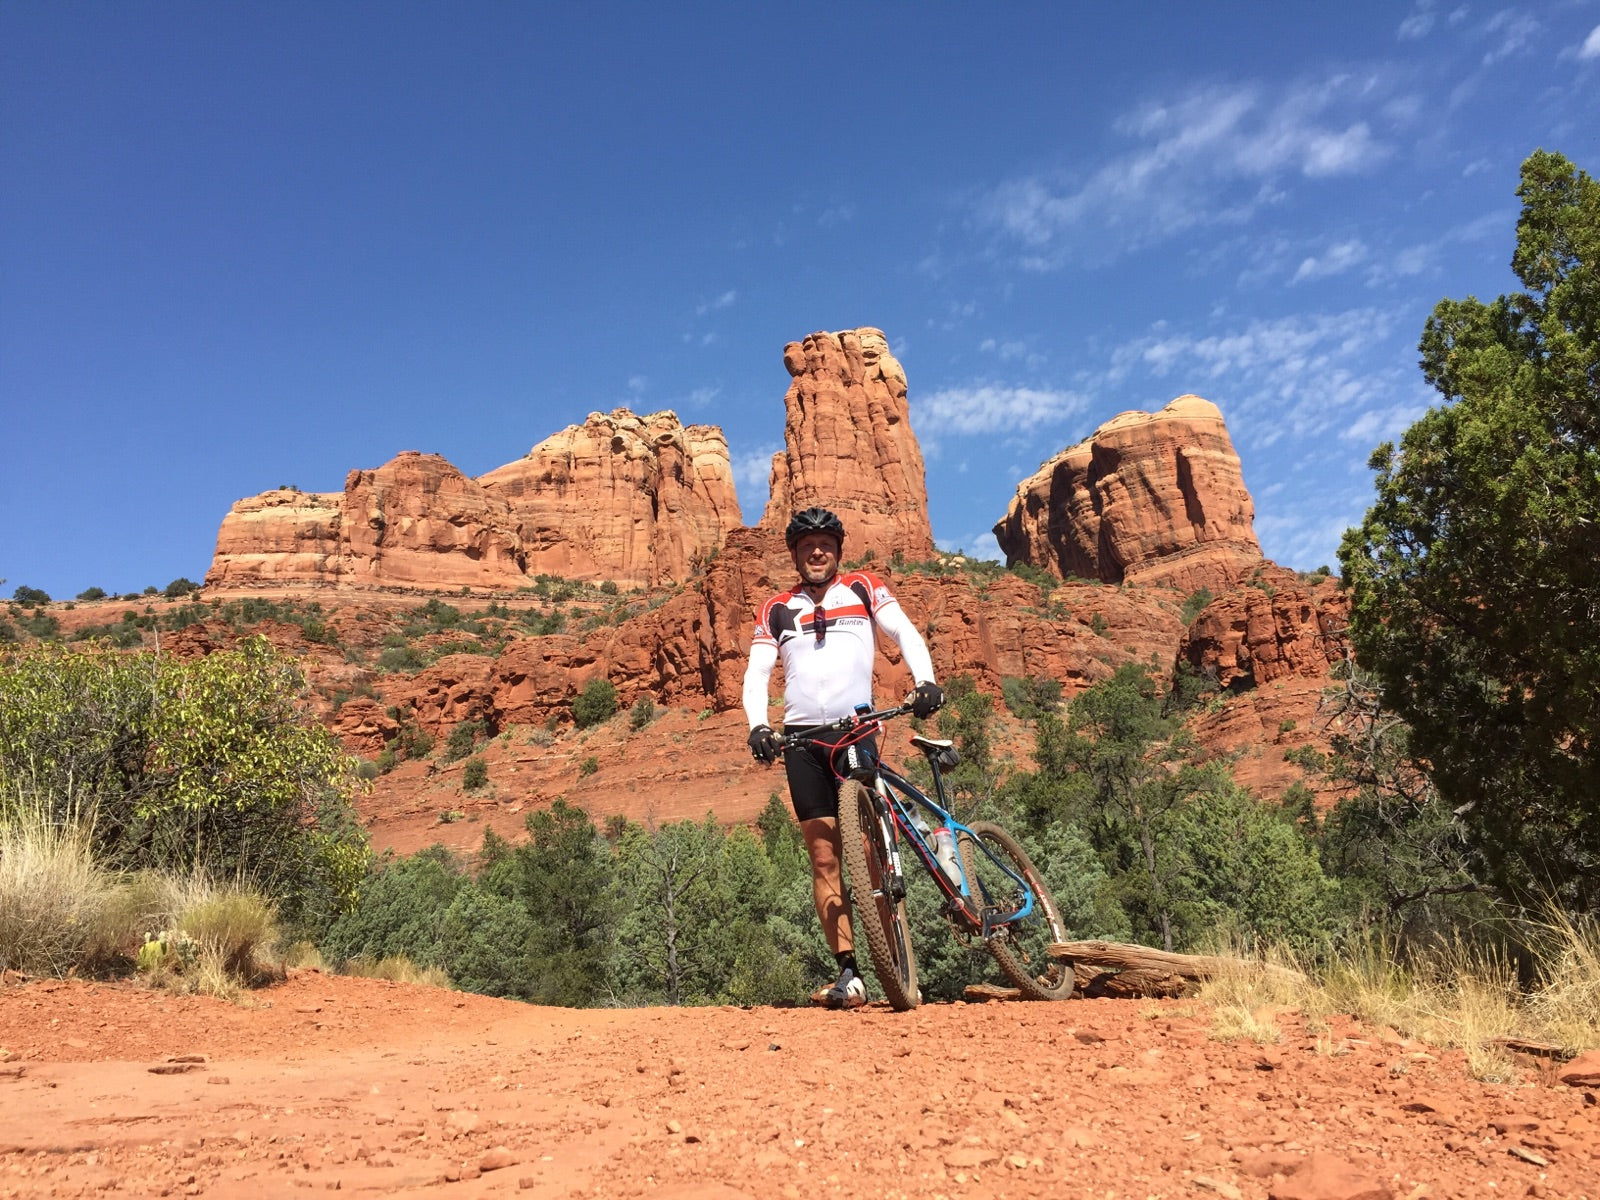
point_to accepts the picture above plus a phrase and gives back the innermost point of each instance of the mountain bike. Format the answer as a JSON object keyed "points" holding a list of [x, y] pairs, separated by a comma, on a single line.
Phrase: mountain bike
{"points": [[993, 896]]}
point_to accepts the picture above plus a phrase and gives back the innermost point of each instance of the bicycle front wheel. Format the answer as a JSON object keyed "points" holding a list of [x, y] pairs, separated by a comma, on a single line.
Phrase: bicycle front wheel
{"points": [[877, 892], [1020, 948]]}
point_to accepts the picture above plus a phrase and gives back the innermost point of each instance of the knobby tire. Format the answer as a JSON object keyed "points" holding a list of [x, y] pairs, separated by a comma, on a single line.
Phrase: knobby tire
{"points": [[878, 915], [1020, 949]]}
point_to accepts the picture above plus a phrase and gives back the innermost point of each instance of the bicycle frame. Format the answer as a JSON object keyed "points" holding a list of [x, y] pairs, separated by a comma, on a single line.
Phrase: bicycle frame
{"points": [[901, 798]]}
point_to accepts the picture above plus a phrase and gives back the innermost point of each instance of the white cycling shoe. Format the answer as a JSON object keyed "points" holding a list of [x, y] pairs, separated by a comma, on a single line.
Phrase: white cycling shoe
{"points": [[848, 991]]}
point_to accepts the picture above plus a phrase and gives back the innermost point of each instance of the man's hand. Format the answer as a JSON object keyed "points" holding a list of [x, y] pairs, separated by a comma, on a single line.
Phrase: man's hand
{"points": [[926, 700], [764, 744]]}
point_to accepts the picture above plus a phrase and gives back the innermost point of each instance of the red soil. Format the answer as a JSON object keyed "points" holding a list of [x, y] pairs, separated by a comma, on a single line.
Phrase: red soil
{"points": [[357, 1085]]}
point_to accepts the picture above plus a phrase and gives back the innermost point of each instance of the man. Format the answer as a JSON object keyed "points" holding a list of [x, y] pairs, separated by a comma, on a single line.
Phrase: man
{"points": [[823, 629]]}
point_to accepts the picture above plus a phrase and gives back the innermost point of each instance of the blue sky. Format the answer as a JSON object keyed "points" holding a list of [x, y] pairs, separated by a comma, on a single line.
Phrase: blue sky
{"points": [[251, 245]]}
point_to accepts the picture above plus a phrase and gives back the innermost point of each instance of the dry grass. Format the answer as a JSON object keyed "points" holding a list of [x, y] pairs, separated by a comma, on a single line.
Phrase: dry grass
{"points": [[1456, 996], [398, 969], [55, 901]]}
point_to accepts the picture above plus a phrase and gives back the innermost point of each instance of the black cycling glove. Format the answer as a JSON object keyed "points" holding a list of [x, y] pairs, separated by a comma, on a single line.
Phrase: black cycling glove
{"points": [[926, 700], [764, 744]]}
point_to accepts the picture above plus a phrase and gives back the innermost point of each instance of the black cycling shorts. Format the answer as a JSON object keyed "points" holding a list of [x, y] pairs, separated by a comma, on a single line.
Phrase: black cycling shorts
{"points": [[813, 784]]}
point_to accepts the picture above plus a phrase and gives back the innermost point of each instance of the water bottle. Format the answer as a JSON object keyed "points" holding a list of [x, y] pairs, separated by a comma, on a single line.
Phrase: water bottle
{"points": [[944, 849]]}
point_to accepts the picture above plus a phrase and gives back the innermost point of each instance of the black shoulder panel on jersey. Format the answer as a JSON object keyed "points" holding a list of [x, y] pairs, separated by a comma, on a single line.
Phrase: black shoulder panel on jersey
{"points": [[862, 594], [779, 618]]}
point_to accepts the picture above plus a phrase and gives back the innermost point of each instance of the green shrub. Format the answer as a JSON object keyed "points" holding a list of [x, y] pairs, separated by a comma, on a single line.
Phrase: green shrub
{"points": [[588, 767], [92, 593], [461, 741], [642, 713], [367, 770], [31, 596], [1195, 604], [608, 588], [402, 658], [597, 702], [183, 765], [475, 774], [1097, 624], [179, 587]]}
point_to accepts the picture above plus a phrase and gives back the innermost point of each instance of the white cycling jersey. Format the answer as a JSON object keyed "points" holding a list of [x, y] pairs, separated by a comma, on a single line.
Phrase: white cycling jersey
{"points": [[827, 676]]}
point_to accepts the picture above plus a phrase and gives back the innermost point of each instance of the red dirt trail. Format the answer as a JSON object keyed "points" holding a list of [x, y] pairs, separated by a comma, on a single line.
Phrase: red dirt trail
{"points": [[361, 1086]]}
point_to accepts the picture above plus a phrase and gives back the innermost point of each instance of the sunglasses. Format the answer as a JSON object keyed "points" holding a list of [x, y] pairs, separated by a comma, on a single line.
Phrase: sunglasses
{"points": [[819, 622]]}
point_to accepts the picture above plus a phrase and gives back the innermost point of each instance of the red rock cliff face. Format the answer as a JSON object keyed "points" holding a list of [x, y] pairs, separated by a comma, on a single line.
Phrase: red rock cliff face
{"points": [[848, 445], [1148, 498], [415, 521], [639, 500]]}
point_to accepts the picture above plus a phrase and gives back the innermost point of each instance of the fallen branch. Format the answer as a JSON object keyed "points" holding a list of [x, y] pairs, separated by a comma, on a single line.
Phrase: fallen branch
{"points": [[1120, 956]]}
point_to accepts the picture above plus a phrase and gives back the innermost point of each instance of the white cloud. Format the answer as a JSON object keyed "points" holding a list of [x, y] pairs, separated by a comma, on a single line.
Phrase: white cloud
{"points": [[637, 383], [752, 478], [1415, 26], [1338, 259], [1511, 30], [1591, 44], [837, 214], [701, 397], [725, 300], [992, 408], [1213, 157], [1294, 377]]}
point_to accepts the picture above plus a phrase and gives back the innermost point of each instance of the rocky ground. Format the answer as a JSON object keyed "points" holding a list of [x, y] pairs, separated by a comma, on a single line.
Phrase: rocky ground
{"points": [[329, 1083]]}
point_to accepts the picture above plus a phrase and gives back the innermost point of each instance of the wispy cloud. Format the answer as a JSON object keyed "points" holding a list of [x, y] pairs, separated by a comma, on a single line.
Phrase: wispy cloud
{"points": [[1591, 44], [1336, 260], [1297, 376], [725, 300], [1415, 26], [1213, 157], [752, 478], [992, 408], [1511, 31]]}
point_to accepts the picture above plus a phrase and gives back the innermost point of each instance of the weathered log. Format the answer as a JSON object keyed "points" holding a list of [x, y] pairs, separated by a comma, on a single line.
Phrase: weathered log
{"points": [[979, 992], [1120, 956], [1138, 983]]}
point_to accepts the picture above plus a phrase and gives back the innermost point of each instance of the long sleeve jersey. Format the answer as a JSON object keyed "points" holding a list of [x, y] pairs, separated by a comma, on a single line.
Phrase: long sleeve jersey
{"points": [[827, 675]]}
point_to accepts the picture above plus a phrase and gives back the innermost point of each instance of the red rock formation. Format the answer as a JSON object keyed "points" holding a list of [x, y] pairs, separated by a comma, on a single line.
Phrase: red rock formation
{"points": [[1148, 498], [279, 536], [1270, 644], [1275, 627], [848, 446], [638, 500], [417, 520]]}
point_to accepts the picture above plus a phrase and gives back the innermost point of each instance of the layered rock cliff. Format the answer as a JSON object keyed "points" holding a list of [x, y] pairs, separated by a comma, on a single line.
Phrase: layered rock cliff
{"points": [[415, 521], [848, 445], [1147, 498], [639, 500]]}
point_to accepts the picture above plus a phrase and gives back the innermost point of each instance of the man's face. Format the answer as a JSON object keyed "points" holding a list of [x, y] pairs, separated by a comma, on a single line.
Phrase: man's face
{"points": [[817, 557]]}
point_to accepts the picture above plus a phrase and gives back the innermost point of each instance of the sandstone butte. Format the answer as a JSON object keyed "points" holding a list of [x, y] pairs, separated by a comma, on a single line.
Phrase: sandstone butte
{"points": [[848, 446], [1147, 498], [643, 501]]}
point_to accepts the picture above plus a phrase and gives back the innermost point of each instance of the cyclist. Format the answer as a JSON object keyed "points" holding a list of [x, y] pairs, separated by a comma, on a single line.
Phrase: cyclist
{"points": [[823, 629]]}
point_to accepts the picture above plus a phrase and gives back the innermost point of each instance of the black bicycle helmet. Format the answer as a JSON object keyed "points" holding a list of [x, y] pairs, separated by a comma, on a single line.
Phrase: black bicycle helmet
{"points": [[813, 520]]}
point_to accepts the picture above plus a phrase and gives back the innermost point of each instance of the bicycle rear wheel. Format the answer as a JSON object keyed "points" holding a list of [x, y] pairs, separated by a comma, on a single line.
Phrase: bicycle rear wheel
{"points": [[1019, 947], [878, 893]]}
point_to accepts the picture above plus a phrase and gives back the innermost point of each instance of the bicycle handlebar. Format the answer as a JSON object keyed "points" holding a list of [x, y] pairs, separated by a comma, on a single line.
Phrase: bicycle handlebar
{"points": [[843, 724]]}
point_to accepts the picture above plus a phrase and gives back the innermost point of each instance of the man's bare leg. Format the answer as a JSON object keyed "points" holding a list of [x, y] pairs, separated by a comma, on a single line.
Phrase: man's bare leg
{"points": [[827, 881]]}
